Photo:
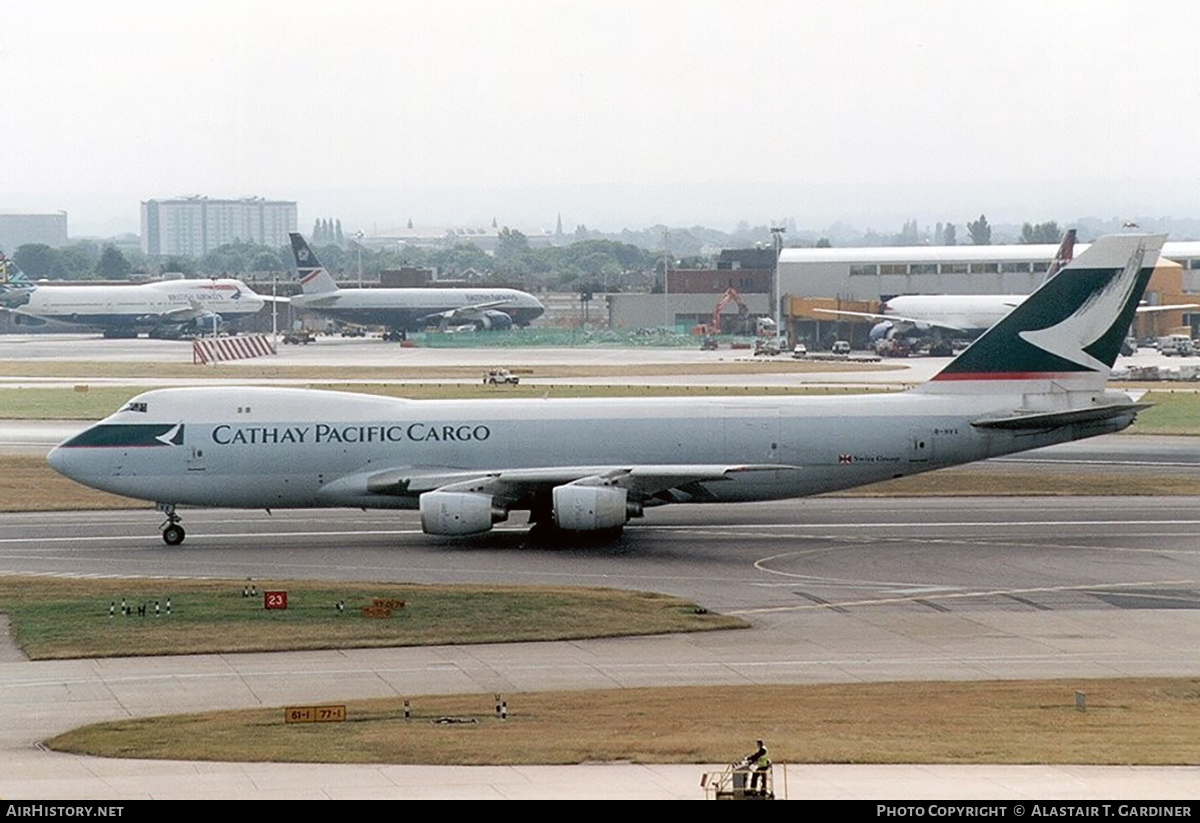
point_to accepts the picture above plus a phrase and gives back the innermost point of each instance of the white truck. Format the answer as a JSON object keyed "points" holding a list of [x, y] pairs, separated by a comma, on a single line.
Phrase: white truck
{"points": [[1176, 345]]}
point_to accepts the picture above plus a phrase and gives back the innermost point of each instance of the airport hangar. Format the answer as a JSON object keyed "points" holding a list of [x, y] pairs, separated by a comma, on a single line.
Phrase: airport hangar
{"points": [[853, 277], [858, 279]]}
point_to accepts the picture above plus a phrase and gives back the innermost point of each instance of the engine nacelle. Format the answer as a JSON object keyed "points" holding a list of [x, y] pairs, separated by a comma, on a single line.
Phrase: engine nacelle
{"points": [[493, 320], [589, 508], [207, 320], [882, 330], [458, 513]]}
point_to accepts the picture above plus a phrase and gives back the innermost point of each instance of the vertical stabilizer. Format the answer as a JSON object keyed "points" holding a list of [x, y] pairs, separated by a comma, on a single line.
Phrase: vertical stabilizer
{"points": [[1067, 334], [314, 279], [1064, 255], [15, 287]]}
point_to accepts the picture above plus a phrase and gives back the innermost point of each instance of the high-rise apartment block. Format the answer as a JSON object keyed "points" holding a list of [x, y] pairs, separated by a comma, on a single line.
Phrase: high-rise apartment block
{"points": [[194, 226]]}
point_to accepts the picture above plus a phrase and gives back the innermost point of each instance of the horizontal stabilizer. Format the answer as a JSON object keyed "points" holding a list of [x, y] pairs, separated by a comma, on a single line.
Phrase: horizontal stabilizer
{"points": [[1043, 420]]}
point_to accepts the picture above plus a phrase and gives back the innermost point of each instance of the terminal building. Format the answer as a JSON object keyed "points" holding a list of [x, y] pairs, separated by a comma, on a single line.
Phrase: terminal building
{"points": [[194, 226]]}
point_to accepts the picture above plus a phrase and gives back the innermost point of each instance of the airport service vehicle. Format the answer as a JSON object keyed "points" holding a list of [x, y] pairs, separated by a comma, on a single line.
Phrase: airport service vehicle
{"points": [[402, 311], [299, 337], [1038, 377], [1175, 345], [497, 377]]}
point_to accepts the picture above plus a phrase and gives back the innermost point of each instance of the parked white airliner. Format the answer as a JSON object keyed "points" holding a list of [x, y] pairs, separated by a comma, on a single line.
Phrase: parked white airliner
{"points": [[168, 308], [408, 310], [1036, 378], [961, 315]]}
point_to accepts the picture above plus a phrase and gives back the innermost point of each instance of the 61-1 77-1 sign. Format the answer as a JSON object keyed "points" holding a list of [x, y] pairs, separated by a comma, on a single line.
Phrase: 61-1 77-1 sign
{"points": [[314, 714]]}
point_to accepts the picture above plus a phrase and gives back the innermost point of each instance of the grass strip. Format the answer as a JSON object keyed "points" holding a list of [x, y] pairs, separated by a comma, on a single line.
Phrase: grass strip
{"points": [[1147, 721], [95, 402], [69, 618], [251, 370]]}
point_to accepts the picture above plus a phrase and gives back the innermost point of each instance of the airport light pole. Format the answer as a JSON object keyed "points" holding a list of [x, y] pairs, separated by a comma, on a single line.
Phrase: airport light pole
{"points": [[666, 289], [358, 236], [777, 237]]}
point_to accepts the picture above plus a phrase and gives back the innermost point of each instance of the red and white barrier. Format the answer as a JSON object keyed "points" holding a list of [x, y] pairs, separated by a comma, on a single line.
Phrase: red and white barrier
{"points": [[206, 350]]}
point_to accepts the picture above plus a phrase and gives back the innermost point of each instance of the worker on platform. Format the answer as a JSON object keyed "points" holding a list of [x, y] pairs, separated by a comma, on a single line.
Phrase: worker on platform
{"points": [[758, 763]]}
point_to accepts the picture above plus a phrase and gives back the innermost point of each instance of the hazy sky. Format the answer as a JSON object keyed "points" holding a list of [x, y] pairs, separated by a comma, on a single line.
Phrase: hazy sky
{"points": [[613, 112]]}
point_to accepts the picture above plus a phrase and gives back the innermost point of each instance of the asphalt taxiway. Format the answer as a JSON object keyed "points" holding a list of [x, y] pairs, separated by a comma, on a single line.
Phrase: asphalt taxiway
{"points": [[837, 590]]}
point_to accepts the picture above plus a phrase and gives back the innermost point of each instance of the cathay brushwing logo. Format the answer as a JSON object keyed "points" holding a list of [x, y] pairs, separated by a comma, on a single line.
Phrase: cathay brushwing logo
{"points": [[172, 436], [1092, 320]]}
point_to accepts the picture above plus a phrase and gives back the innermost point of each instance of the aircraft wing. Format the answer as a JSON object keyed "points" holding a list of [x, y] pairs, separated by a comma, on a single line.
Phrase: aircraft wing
{"points": [[464, 312], [514, 484], [896, 318], [23, 317], [323, 301], [11, 299], [1176, 307], [180, 315]]}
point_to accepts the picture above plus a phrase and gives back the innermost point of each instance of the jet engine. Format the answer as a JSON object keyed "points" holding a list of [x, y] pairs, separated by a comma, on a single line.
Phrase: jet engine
{"points": [[493, 320], [203, 323], [458, 513], [589, 508], [882, 331]]}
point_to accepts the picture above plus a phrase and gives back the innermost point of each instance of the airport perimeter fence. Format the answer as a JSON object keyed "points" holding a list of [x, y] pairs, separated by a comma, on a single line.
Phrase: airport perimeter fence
{"points": [[559, 338]]}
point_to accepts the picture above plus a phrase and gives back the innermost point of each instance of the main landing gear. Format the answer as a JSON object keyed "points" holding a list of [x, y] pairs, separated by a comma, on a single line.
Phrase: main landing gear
{"points": [[172, 532]]}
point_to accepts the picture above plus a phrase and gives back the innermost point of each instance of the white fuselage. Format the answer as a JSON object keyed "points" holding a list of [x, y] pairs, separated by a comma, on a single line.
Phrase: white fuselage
{"points": [[143, 306], [972, 314], [408, 308], [277, 448]]}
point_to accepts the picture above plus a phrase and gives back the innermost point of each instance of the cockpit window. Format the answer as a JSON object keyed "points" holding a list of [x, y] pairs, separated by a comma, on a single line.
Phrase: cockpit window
{"points": [[134, 406]]}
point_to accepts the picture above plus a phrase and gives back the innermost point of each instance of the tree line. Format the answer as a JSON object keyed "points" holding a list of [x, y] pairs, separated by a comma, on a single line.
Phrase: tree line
{"points": [[591, 258]]}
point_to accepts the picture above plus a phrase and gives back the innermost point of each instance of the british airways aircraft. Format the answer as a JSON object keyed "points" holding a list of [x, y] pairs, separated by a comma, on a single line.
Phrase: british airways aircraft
{"points": [[1036, 378], [408, 310], [168, 308]]}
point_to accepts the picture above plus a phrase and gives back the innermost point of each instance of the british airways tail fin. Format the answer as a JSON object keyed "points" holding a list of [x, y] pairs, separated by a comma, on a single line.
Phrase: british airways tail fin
{"points": [[15, 287], [314, 279], [1067, 334], [1064, 255], [11, 274]]}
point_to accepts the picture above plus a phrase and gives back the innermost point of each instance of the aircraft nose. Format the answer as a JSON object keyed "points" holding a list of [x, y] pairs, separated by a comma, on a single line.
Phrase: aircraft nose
{"points": [[59, 461]]}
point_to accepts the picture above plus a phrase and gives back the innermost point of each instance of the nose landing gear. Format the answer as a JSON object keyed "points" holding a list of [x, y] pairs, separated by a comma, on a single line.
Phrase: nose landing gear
{"points": [[172, 532]]}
